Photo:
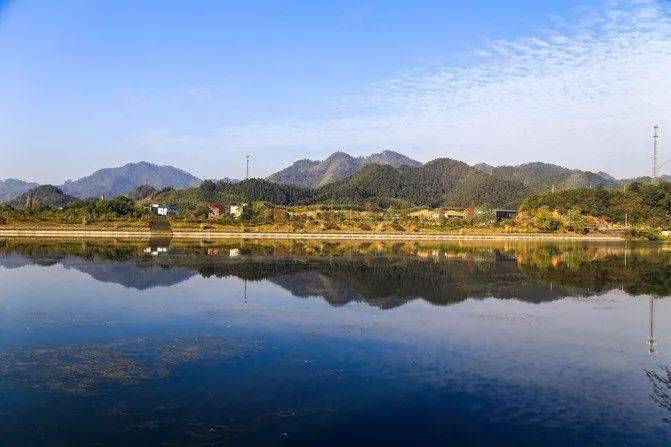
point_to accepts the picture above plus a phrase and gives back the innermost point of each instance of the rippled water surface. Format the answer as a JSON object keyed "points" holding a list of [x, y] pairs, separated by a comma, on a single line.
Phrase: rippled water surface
{"points": [[318, 344]]}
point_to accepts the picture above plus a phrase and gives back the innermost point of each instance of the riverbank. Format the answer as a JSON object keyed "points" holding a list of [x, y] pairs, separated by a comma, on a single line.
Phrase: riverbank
{"points": [[210, 235]]}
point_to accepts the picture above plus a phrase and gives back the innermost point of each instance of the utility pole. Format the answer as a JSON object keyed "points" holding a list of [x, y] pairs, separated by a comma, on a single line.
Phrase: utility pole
{"points": [[655, 141], [652, 343], [247, 172]]}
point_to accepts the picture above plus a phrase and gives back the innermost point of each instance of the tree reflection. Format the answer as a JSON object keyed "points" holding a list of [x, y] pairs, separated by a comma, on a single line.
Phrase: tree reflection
{"points": [[383, 274], [661, 388]]}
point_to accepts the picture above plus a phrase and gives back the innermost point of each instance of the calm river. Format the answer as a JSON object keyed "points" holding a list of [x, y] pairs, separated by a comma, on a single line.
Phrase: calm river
{"points": [[334, 344]]}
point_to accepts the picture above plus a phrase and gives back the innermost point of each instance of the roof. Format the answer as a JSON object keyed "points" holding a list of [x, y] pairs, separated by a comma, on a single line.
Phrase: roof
{"points": [[216, 205]]}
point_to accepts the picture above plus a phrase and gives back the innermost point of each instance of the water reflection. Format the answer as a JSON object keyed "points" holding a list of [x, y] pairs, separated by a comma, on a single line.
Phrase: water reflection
{"points": [[212, 343], [382, 274]]}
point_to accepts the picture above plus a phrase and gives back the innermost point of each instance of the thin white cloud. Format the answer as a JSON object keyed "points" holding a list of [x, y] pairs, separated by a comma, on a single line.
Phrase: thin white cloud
{"points": [[583, 93]]}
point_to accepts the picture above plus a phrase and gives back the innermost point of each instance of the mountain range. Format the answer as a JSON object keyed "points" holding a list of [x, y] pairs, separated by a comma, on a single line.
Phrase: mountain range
{"points": [[441, 182], [112, 182], [341, 178], [539, 176], [339, 165], [11, 188]]}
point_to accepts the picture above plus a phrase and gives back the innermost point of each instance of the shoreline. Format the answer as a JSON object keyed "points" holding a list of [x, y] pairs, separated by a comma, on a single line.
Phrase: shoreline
{"points": [[210, 235]]}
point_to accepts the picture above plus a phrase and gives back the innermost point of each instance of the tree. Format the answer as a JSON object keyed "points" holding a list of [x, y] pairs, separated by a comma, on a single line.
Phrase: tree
{"points": [[544, 219], [208, 185], [575, 221]]}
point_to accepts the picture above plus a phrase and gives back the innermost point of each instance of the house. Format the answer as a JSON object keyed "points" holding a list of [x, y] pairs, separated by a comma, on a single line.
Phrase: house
{"points": [[161, 210], [505, 214], [449, 214], [215, 210], [237, 210]]}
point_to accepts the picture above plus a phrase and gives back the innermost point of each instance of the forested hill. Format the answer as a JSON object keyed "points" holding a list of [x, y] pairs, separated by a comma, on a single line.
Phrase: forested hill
{"points": [[43, 195], [230, 193], [11, 188], [641, 203], [539, 176], [441, 182], [113, 182], [339, 165]]}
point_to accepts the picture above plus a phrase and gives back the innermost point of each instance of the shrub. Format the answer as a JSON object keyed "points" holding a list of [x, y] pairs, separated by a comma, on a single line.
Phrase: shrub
{"points": [[397, 226], [456, 223], [544, 220], [642, 233], [575, 221]]}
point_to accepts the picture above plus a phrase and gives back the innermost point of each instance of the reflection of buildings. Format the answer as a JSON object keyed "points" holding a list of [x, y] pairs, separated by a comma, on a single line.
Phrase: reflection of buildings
{"points": [[155, 251]]}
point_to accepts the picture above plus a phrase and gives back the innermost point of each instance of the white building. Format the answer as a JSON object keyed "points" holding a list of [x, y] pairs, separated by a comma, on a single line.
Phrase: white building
{"points": [[161, 210], [236, 210]]}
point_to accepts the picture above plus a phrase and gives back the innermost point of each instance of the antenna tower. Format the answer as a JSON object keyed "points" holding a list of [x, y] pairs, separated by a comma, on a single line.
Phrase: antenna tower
{"points": [[655, 141]]}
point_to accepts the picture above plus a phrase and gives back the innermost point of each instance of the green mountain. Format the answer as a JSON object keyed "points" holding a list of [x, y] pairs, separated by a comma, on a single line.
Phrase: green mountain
{"points": [[250, 190], [313, 173], [644, 179], [112, 182], [538, 176], [12, 188], [42, 195], [141, 192], [441, 182], [638, 203]]}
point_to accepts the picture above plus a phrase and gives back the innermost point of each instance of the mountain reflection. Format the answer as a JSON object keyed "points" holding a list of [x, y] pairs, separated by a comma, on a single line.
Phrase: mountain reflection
{"points": [[382, 274]]}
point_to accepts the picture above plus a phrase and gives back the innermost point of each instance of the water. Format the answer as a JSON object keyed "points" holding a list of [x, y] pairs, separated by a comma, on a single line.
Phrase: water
{"points": [[313, 343]]}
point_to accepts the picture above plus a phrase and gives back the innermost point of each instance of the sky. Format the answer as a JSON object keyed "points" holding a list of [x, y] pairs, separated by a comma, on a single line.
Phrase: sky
{"points": [[198, 85]]}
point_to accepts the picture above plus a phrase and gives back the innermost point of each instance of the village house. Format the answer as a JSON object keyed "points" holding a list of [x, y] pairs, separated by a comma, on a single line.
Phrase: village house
{"points": [[215, 210], [500, 215], [237, 210], [161, 210], [450, 214]]}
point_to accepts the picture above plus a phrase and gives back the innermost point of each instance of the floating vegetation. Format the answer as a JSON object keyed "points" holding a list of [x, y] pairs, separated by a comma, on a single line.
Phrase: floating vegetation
{"points": [[91, 369]]}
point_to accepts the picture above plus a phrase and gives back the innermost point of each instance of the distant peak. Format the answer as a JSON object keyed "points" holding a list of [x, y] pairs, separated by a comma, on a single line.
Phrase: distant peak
{"points": [[339, 154], [140, 163]]}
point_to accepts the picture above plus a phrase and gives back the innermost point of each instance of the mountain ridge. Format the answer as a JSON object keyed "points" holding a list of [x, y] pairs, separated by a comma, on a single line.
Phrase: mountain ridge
{"points": [[337, 166], [122, 180], [540, 176], [440, 182], [11, 188], [43, 195]]}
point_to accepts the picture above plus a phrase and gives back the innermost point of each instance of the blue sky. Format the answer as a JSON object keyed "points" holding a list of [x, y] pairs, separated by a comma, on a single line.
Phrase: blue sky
{"points": [[88, 84]]}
